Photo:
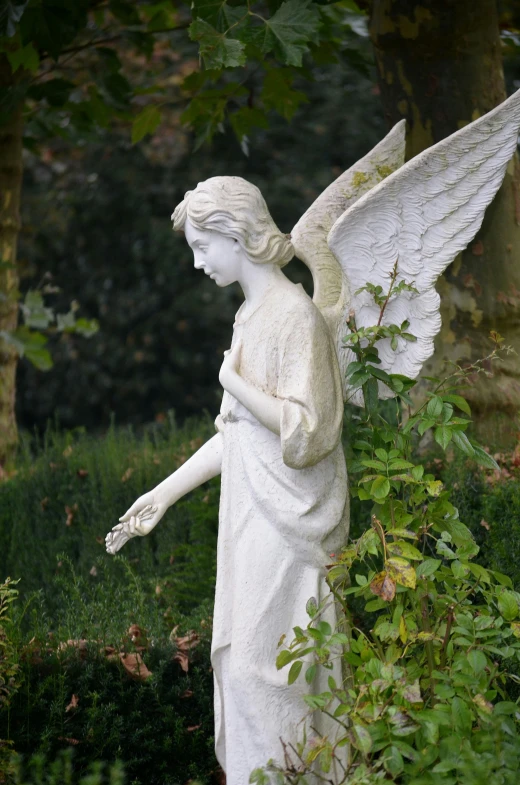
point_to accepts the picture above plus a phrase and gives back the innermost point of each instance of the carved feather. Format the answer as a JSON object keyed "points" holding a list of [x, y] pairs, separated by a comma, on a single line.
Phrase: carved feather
{"points": [[423, 215], [309, 236]]}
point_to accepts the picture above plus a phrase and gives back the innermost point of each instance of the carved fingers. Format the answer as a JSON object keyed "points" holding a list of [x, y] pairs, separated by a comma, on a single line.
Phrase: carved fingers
{"points": [[133, 526]]}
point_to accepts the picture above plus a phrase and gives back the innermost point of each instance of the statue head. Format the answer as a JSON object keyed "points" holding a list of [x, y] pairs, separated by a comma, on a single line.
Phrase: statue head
{"points": [[235, 208]]}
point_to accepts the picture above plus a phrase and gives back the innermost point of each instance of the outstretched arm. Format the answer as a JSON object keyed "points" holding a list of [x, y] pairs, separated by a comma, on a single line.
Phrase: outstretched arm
{"points": [[147, 511]]}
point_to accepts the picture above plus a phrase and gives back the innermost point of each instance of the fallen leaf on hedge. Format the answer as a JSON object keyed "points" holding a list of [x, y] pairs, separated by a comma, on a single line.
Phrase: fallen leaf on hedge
{"points": [[69, 740], [44, 503], [67, 451], [383, 586], [82, 473], [126, 476], [73, 703], [134, 666], [71, 511], [100, 540], [187, 694], [193, 727], [93, 571], [485, 524], [182, 658]]}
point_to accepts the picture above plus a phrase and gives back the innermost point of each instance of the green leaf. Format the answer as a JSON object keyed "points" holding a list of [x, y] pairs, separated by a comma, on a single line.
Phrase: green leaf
{"points": [[361, 739], [284, 658], [400, 464], [25, 57], [294, 671], [289, 31], [428, 567], [508, 605], [35, 313], [461, 441], [245, 119], [379, 465], [146, 122], [380, 487], [482, 457], [443, 435], [458, 401], [277, 93], [216, 49], [434, 407], [477, 661]]}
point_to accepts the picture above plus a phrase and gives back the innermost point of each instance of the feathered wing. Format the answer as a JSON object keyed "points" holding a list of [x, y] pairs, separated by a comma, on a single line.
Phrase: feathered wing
{"points": [[309, 236], [421, 216]]}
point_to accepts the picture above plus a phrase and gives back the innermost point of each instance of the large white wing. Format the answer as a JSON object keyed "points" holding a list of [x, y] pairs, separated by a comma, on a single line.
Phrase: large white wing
{"points": [[309, 236], [423, 215]]}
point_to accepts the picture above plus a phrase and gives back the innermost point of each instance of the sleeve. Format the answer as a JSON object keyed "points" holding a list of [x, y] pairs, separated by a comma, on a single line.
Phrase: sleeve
{"points": [[309, 386]]}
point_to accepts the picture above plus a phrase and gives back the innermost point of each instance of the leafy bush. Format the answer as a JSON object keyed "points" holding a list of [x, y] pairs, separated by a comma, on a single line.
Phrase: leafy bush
{"points": [[39, 771], [430, 659], [71, 490]]}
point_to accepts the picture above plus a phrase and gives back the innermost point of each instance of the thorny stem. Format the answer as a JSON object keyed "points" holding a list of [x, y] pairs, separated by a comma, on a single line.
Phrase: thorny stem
{"points": [[429, 646], [392, 282], [446, 636]]}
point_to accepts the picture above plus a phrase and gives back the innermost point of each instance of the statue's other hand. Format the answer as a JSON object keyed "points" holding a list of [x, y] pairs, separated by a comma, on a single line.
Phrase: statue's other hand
{"points": [[138, 521]]}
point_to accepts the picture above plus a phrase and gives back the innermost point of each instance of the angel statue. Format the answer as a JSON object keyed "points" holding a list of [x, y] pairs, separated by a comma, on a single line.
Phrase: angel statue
{"points": [[284, 495]]}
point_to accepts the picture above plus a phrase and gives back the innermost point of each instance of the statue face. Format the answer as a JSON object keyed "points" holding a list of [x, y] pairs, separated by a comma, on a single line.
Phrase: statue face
{"points": [[219, 256]]}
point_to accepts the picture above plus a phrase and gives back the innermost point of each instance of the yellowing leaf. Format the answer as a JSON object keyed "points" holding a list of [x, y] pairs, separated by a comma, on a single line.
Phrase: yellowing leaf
{"points": [[401, 571], [403, 630], [515, 626], [401, 548]]}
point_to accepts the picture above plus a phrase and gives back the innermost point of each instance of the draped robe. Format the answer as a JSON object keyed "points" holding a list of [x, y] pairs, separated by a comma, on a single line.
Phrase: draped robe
{"points": [[283, 510]]}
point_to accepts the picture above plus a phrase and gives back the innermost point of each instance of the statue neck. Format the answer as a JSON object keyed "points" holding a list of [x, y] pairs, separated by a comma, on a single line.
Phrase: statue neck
{"points": [[257, 280]]}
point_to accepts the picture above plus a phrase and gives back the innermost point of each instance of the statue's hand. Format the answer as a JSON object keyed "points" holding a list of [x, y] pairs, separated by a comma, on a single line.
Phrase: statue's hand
{"points": [[230, 366], [138, 521]]}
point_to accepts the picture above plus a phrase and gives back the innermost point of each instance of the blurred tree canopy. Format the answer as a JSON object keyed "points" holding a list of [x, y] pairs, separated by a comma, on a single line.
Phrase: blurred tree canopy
{"points": [[113, 98]]}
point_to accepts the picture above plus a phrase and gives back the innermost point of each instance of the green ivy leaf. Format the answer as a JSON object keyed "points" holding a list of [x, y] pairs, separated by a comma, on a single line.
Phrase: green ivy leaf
{"points": [[145, 123]]}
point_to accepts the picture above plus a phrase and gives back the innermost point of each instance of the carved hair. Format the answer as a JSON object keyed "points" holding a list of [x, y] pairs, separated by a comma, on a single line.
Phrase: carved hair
{"points": [[235, 208]]}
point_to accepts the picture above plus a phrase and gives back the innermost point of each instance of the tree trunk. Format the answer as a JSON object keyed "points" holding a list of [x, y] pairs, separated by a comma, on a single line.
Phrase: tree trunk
{"points": [[439, 66], [10, 186]]}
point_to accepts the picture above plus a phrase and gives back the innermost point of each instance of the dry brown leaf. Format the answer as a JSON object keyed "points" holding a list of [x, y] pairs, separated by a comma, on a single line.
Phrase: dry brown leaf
{"points": [[71, 512], [67, 451], [383, 586], [182, 658], [93, 571], [74, 742], [485, 524], [191, 728], [134, 666], [73, 703], [44, 503], [477, 249], [187, 694], [82, 473], [126, 476]]}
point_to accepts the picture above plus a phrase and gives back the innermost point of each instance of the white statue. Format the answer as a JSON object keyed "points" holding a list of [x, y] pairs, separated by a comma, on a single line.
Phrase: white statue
{"points": [[284, 502]]}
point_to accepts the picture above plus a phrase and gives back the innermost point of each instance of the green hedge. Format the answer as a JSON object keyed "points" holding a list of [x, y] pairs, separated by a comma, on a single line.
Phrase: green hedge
{"points": [[71, 490]]}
